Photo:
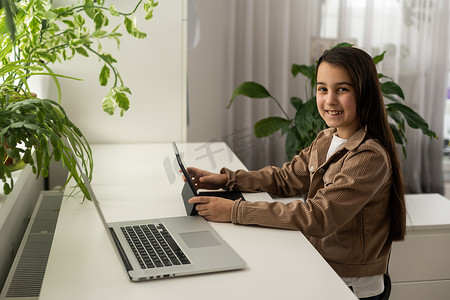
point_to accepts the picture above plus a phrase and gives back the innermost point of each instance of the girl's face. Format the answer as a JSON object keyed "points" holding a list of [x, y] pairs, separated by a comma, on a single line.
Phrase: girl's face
{"points": [[336, 99]]}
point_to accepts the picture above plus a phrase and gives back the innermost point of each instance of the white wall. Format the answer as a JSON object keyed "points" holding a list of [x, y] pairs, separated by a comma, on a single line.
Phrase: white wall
{"points": [[206, 77], [153, 68]]}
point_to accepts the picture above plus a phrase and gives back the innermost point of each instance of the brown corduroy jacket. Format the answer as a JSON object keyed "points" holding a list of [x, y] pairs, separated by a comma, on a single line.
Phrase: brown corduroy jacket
{"points": [[344, 213]]}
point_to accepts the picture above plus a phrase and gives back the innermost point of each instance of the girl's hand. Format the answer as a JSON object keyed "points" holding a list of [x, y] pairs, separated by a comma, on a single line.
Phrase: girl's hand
{"points": [[206, 180], [213, 208]]}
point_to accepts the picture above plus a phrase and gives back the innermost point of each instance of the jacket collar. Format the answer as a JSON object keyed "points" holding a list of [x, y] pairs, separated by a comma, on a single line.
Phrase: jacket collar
{"points": [[352, 142]]}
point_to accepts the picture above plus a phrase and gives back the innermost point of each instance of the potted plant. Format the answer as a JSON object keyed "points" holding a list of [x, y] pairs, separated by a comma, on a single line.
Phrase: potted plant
{"points": [[35, 34], [307, 123]]}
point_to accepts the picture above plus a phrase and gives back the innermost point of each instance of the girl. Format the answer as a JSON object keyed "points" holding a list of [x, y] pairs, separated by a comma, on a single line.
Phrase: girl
{"points": [[349, 176]]}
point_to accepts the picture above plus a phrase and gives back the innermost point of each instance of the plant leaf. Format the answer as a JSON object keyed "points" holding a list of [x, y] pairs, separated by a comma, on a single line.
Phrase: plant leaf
{"points": [[89, 9], [413, 119], [130, 25], [108, 104], [6, 188], [100, 20], [308, 122], [379, 57], [99, 33], [82, 51], [122, 101], [392, 98], [149, 5], [392, 88], [104, 75], [10, 11], [270, 125], [399, 139], [108, 58], [123, 89], [344, 44], [113, 11], [308, 71], [250, 89], [292, 142], [57, 154], [296, 103]]}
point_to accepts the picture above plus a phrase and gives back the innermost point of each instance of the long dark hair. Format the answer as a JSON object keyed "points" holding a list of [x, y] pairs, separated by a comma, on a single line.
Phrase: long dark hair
{"points": [[372, 116]]}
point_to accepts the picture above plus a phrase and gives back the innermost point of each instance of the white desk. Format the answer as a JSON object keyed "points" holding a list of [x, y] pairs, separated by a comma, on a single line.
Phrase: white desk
{"points": [[142, 181], [420, 265]]}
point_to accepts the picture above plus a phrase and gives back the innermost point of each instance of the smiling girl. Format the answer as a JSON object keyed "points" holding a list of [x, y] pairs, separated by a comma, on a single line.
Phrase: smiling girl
{"points": [[350, 178]]}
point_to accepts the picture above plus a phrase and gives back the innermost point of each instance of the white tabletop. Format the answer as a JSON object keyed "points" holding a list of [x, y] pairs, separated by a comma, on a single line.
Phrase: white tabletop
{"points": [[427, 212], [142, 181]]}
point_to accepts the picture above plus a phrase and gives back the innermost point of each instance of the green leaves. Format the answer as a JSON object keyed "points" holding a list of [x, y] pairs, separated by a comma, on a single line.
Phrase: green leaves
{"points": [[270, 125], [130, 25], [104, 75], [308, 122], [399, 112], [99, 34], [413, 119], [391, 88], [9, 8], [378, 58], [113, 11], [116, 98], [149, 6], [308, 71], [107, 58], [109, 103], [293, 142], [249, 89], [100, 19], [344, 44], [89, 8], [82, 51], [34, 131]]}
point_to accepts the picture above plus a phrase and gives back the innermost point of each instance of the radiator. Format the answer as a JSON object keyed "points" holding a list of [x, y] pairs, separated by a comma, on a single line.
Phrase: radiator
{"points": [[25, 277]]}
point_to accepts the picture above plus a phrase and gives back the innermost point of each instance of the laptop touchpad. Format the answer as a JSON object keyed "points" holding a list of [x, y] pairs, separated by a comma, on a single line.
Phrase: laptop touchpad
{"points": [[199, 239]]}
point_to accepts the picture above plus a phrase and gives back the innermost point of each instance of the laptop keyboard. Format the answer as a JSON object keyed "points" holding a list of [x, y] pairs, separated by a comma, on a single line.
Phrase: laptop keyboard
{"points": [[153, 246]]}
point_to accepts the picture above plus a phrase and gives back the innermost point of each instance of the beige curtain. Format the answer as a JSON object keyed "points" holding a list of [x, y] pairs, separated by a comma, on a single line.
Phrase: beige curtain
{"points": [[427, 36], [264, 39]]}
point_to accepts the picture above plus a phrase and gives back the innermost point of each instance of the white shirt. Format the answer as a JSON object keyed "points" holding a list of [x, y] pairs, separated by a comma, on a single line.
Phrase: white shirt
{"points": [[362, 286], [336, 144]]}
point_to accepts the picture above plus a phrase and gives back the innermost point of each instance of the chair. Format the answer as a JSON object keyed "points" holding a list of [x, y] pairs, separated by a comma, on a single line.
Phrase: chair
{"points": [[387, 287], [387, 282]]}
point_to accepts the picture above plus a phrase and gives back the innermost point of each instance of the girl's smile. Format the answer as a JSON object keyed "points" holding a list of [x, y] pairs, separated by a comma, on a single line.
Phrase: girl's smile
{"points": [[334, 113]]}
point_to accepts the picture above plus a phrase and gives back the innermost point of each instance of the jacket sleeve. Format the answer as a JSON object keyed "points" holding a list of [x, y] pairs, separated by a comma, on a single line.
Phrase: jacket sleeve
{"points": [[290, 180], [364, 176]]}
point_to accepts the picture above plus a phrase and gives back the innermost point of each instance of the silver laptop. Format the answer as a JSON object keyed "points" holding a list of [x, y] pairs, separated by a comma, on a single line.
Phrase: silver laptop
{"points": [[167, 247]]}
